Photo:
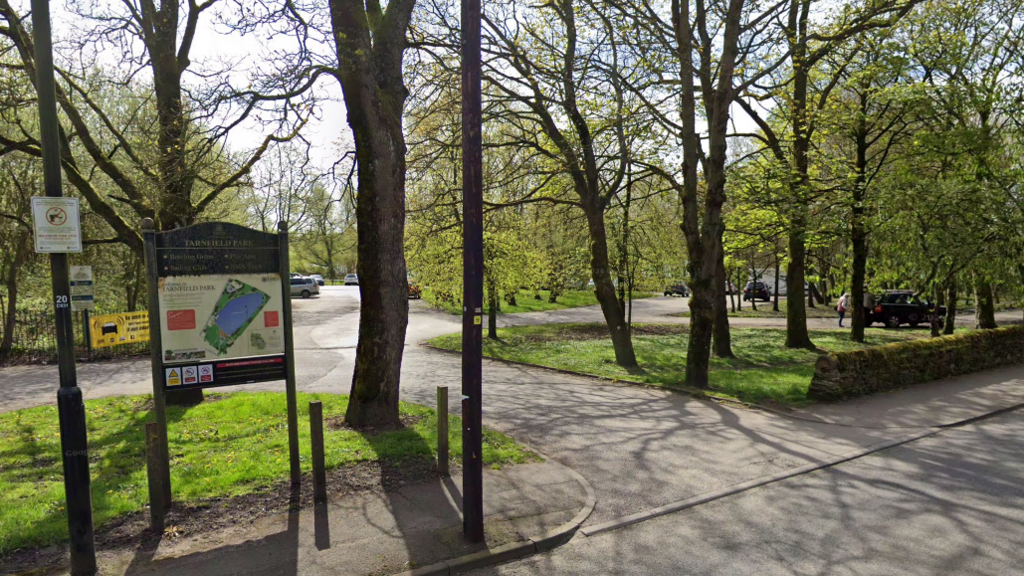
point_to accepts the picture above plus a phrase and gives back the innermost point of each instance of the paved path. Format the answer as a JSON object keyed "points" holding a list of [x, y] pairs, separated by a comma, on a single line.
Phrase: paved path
{"points": [[367, 532]]}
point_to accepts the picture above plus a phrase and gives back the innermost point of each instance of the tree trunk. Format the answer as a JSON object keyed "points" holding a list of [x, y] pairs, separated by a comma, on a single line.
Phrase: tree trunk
{"points": [[739, 297], [375, 95], [22, 254], [11, 282], [951, 300], [698, 352], [775, 296], [860, 261], [796, 315], [135, 285], [614, 315], [176, 178], [753, 297], [985, 312], [629, 312], [554, 294], [492, 313], [732, 296], [938, 295], [623, 271], [722, 341], [810, 294], [858, 235], [703, 231]]}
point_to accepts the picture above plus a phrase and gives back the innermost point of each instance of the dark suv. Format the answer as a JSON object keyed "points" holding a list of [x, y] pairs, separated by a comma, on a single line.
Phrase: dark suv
{"points": [[757, 291], [897, 307], [677, 288]]}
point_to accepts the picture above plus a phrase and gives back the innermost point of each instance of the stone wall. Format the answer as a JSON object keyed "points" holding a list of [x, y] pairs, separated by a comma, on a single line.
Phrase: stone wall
{"points": [[894, 366]]}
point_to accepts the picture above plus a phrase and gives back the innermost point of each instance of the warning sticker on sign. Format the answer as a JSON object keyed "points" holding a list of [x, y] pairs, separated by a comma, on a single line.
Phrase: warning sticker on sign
{"points": [[190, 374], [206, 373], [173, 376]]}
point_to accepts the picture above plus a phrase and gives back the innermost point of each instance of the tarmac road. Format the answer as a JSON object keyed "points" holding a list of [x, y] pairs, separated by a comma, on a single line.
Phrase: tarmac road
{"points": [[951, 504]]}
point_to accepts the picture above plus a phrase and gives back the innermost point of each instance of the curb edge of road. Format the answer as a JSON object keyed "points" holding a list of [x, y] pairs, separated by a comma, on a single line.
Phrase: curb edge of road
{"points": [[543, 542]]}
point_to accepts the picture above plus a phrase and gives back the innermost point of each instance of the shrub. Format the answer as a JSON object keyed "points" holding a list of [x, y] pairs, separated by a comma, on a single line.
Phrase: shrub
{"points": [[894, 366]]}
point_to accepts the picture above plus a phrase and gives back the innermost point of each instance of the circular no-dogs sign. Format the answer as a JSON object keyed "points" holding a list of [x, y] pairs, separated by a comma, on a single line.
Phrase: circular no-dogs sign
{"points": [[56, 216]]}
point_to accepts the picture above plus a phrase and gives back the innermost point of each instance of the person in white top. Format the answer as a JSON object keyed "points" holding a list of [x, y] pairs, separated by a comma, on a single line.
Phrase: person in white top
{"points": [[844, 304]]}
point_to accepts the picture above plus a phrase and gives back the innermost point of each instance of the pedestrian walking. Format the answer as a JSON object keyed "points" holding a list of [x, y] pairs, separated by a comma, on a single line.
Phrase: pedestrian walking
{"points": [[844, 303]]}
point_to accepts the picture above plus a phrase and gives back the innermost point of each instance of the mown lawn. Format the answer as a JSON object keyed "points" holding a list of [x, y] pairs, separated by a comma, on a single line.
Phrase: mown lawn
{"points": [[231, 444], [526, 301], [764, 369]]}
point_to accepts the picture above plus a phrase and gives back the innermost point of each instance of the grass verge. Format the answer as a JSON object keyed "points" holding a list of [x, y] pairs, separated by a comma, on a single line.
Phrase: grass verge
{"points": [[527, 301], [230, 445], [763, 369]]}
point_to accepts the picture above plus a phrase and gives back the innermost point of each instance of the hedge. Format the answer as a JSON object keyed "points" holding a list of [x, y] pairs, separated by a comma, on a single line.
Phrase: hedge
{"points": [[868, 370]]}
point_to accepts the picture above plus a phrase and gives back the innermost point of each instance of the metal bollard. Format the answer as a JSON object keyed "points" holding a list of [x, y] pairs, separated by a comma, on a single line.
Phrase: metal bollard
{"points": [[154, 471], [442, 430], [316, 434]]}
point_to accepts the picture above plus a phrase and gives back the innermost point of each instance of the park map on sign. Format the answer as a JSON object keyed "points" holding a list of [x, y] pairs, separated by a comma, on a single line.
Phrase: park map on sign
{"points": [[238, 306]]}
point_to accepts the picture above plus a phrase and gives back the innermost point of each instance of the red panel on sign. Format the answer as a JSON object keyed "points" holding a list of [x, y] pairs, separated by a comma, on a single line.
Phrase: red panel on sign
{"points": [[181, 319], [253, 362], [270, 319]]}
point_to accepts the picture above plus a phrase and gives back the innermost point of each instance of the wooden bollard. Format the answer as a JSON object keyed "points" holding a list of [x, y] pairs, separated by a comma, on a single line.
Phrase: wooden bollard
{"points": [[442, 430], [316, 434], [154, 472]]}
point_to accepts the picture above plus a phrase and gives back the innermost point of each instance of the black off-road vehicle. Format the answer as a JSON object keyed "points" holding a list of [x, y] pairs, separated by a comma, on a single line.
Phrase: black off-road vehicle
{"points": [[896, 307]]}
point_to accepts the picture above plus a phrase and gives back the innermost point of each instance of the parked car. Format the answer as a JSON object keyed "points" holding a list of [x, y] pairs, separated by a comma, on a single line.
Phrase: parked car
{"points": [[305, 287], [319, 279], [415, 292], [896, 307], [781, 286], [730, 289], [677, 288], [352, 280], [757, 291]]}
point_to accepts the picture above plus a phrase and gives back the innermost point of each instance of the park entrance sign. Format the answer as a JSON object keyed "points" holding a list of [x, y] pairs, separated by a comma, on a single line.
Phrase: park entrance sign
{"points": [[219, 315], [221, 305]]}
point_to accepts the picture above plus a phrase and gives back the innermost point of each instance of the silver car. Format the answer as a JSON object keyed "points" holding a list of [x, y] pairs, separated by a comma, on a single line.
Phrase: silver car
{"points": [[351, 280], [305, 287]]}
